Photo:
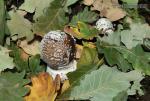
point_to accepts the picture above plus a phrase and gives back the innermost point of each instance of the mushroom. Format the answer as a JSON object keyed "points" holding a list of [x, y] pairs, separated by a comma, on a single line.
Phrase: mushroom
{"points": [[58, 51], [104, 25]]}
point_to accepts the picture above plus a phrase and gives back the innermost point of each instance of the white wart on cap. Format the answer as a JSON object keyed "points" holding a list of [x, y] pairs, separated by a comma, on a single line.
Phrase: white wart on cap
{"points": [[57, 49]]}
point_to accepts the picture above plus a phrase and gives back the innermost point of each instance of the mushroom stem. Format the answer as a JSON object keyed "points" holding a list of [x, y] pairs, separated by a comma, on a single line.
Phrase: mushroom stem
{"points": [[72, 66]]}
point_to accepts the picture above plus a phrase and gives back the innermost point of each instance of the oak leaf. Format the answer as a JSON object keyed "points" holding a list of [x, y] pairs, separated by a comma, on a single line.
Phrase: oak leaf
{"points": [[108, 8], [32, 48], [43, 88]]}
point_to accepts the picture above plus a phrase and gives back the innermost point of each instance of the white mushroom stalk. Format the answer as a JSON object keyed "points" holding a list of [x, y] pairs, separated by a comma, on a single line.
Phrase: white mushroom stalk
{"points": [[104, 25], [58, 51]]}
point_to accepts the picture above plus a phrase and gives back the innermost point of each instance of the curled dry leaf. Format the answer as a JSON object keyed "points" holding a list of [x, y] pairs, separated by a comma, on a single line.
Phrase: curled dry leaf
{"points": [[79, 49], [115, 14], [82, 31], [43, 88], [24, 55], [30, 48], [65, 86], [88, 2], [108, 8]]}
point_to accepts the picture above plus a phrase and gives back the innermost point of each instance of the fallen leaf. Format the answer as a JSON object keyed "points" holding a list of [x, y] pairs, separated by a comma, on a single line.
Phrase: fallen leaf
{"points": [[35, 6], [108, 8], [65, 86], [86, 16], [30, 48], [53, 19], [115, 14], [88, 2], [101, 85], [79, 49], [136, 35], [5, 60], [89, 44], [24, 55], [43, 88], [12, 86], [82, 30], [20, 26]]}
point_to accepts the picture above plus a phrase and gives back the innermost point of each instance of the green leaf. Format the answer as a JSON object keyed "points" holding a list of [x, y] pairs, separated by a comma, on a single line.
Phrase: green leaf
{"points": [[135, 2], [103, 84], [2, 21], [87, 62], [113, 39], [83, 30], [20, 26], [69, 3], [21, 65], [34, 64], [137, 56], [84, 16], [12, 86], [53, 18], [123, 96], [31, 66], [135, 35], [113, 57], [5, 60], [36, 6]]}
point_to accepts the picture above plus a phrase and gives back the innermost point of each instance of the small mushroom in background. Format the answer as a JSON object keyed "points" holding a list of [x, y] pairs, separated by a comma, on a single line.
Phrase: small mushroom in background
{"points": [[104, 25], [58, 51]]}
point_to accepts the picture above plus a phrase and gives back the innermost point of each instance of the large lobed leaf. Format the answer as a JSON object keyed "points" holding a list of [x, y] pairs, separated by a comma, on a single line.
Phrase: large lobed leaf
{"points": [[37, 6], [12, 86], [43, 88], [84, 16], [136, 56], [103, 84], [19, 26], [53, 18], [5, 60], [82, 31], [135, 35]]}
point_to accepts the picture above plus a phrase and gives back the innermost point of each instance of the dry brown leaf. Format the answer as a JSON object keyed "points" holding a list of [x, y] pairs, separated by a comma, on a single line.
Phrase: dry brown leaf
{"points": [[32, 48], [43, 88], [115, 14], [88, 2], [79, 49], [69, 30], [109, 9], [24, 55], [65, 86]]}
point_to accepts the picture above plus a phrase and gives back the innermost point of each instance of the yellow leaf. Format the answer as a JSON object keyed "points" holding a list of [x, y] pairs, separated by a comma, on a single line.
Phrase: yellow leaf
{"points": [[65, 86], [89, 44], [79, 49], [43, 88]]}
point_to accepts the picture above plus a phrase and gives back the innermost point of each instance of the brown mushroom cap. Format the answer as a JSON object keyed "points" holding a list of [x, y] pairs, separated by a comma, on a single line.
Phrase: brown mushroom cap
{"points": [[57, 49]]}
